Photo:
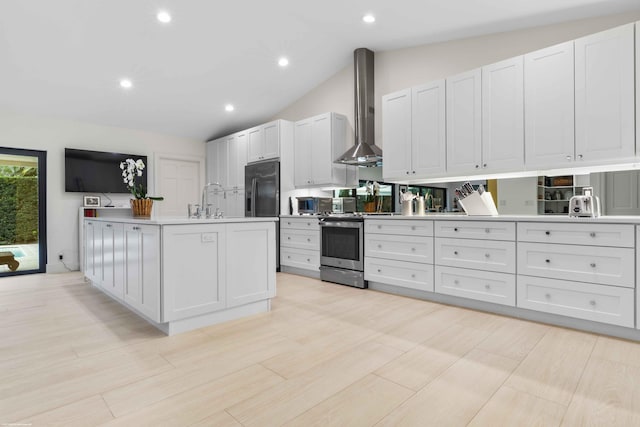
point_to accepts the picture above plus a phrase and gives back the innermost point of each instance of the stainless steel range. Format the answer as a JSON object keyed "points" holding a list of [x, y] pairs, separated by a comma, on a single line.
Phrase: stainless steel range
{"points": [[342, 250]]}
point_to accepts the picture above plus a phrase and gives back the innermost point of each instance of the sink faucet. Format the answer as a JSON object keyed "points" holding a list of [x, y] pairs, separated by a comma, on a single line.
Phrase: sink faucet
{"points": [[205, 207]]}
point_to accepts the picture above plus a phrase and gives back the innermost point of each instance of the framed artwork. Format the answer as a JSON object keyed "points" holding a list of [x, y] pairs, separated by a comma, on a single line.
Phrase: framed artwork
{"points": [[92, 201]]}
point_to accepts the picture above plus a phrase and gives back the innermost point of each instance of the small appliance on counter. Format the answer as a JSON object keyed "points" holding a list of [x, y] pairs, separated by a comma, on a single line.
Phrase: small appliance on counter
{"points": [[585, 206], [314, 205], [343, 205], [475, 202]]}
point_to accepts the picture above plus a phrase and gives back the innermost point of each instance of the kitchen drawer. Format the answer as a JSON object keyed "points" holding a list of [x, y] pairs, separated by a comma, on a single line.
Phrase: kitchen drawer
{"points": [[489, 286], [399, 273], [304, 239], [491, 255], [401, 248], [405, 227], [300, 258], [577, 234], [304, 223], [600, 303], [603, 265], [492, 230]]}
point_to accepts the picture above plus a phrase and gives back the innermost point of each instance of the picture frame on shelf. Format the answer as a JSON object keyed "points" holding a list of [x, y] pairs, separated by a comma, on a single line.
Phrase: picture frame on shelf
{"points": [[91, 201]]}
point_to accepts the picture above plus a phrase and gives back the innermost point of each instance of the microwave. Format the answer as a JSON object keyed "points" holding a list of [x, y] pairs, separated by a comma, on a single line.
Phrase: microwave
{"points": [[344, 205], [314, 205]]}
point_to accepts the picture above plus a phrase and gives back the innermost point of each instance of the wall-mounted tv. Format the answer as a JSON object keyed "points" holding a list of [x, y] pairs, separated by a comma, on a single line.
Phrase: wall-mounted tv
{"points": [[96, 171]]}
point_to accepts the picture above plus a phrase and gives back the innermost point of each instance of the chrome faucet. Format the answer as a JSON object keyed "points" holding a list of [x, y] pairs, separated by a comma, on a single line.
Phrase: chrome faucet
{"points": [[205, 207]]}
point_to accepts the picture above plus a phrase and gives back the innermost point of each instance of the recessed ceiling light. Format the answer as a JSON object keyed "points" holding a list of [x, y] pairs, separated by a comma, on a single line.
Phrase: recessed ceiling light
{"points": [[126, 83], [229, 107], [369, 18], [164, 16], [283, 62]]}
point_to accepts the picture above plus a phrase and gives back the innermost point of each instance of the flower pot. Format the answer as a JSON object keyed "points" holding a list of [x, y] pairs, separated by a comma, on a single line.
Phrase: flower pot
{"points": [[141, 208]]}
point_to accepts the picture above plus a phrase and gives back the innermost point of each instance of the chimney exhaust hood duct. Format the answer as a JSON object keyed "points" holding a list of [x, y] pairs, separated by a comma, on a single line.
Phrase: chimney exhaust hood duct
{"points": [[364, 152]]}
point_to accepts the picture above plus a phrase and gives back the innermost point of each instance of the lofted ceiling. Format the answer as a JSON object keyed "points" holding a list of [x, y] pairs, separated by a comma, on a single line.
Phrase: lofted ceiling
{"points": [[65, 58]]}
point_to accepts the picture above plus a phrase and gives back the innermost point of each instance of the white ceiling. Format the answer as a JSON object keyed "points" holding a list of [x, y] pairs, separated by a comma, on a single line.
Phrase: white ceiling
{"points": [[64, 58]]}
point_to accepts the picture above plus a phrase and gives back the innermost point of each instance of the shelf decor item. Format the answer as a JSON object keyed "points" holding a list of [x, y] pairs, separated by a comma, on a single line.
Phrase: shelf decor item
{"points": [[142, 204]]}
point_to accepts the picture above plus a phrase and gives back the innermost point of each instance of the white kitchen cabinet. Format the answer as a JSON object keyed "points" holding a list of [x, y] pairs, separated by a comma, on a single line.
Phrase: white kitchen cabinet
{"points": [[263, 142], [218, 161], [300, 243], [503, 115], [410, 275], [318, 141], [112, 236], [251, 257], [142, 269], [489, 286], [303, 239], [616, 235], [396, 134], [621, 189], [604, 96], [464, 123], [492, 230], [237, 160], [549, 106], [92, 252], [233, 203], [399, 227], [401, 248], [488, 255], [188, 292]]}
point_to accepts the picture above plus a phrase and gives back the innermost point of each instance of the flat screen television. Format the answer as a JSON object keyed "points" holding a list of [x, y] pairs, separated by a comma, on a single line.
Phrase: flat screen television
{"points": [[96, 171]]}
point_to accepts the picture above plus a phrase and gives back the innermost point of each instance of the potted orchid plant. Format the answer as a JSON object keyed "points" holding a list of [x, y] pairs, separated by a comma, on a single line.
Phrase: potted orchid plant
{"points": [[142, 203]]}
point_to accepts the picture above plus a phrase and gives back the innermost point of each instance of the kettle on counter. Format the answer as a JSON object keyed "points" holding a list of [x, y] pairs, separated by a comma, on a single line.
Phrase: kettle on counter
{"points": [[586, 205]]}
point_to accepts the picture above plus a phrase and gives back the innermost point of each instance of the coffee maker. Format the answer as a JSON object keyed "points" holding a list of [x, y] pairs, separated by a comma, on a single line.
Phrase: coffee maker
{"points": [[587, 205]]}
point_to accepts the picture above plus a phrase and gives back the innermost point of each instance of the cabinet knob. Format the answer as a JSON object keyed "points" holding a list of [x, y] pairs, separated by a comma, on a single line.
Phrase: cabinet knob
{"points": [[456, 282], [547, 232], [592, 302], [547, 296], [379, 271], [413, 276], [309, 224], [547, 261], [89, 223], [288, 223], [308, 240], [580, 156], [413, 249], [379, 246], [487, 286], [308, 260], [455, 252], [413, 172], [379, 227], [136, 228], [108, 225], [288, 256], [477, 166], [568, 158], [407, 172], [288, 237], [487, 255], [487, 230], [593, 265], [592, 234], [484, 165], [413, 227], [455, 229]]}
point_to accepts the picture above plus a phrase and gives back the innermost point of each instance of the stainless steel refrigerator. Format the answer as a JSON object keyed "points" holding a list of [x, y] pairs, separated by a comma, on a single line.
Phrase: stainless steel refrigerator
{"points": [[262, 194]]}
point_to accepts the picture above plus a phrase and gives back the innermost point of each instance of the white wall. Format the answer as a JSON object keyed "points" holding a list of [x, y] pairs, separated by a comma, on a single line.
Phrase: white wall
{"points": [[403, 68], [52, 136]]}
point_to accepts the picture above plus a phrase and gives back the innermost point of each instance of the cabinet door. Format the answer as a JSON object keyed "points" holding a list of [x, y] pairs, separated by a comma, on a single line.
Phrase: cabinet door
{"points": [[199, 288], [503, 115], [271, 148], [112, 262], [396, 134], [240, 140], [89, 267], [142, 269], [255, 144], [211, 164], [605, 95], [218, 200], [251, 262], [464, 135], [233, 203], [321, 161], [235, 152], [428, 143], [622, 193], [549, 106], [302, 153]]}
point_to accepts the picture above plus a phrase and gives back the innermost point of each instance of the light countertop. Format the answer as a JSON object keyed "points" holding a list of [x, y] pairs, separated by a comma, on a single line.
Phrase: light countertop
{"points": [[522, 218], [182, 220]]}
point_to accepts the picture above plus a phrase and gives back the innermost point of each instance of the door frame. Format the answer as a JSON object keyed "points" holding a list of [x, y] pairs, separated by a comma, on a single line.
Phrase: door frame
{"points": [[42, 206]]}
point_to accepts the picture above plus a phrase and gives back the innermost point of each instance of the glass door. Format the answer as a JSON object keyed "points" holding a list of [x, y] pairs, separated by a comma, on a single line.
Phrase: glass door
{"points": [[23, 247]]}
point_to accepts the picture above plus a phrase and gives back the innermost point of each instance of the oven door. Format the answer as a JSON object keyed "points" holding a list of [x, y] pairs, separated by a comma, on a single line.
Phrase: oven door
{"points": [[341, 244]]}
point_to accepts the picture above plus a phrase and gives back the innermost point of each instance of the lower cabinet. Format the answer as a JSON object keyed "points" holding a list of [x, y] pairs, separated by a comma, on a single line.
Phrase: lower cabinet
{"points": [[411, 275], [305, 259], [300, 243], [498, 288], [142, 269], [112, 258], [599, 303]]}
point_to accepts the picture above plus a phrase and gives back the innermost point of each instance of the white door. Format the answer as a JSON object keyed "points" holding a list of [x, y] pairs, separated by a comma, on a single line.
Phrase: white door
{"points": [[396, 134], [503, 115], [464, 123], [428, 142], [605, 95], [179, 181], [549, 106]]}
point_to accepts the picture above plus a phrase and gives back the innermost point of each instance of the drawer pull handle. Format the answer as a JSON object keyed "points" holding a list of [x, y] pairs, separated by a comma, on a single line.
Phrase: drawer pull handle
{"points": [[455, 252], [308, 239], [413, 227], [288, 237], [108, 225], [455, 229], [456, 282], [592, 234], [487, 287], [547, 232], [413, 249], [487, 230], [309, 224], [288, 256], [379, 246], [288, 223], [487, 255], [547, 296], [413, 276], [593, 265], [136, 228], [379, 227], [547, 261], [379, 271], [592, 302], [308, 260]]}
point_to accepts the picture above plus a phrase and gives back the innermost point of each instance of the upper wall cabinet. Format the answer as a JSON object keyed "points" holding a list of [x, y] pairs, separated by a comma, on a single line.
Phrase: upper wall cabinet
{"points": [[604, 95], [464, 121], [503, 115], [638, 97], [317, 142], [217, 161], [264, 142], [548, 106], [237, 155], [413, 132]]}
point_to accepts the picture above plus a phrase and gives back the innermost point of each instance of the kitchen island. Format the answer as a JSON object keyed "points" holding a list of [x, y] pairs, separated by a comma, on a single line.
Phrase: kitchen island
{"points": [[181, 274]]}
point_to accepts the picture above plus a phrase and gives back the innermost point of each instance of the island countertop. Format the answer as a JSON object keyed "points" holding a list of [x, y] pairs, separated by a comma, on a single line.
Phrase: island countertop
{"points": [[169, 220]]}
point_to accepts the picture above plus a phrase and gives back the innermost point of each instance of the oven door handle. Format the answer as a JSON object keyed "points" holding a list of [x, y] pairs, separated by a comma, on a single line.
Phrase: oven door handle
{"points": [[341, 224]]}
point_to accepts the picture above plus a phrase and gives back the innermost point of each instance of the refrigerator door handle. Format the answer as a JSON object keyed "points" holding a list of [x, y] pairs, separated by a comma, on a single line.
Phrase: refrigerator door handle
{"points": [[254, 187]]}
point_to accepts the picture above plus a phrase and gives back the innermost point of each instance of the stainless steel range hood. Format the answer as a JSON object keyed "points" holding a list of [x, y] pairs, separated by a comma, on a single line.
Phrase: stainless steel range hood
{"points": [[364, 152]]}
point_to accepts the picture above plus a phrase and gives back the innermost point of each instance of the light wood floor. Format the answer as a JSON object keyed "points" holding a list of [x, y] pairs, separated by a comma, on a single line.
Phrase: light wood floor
{"points": [[326, 355]]}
